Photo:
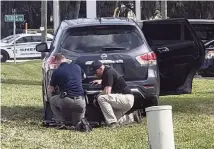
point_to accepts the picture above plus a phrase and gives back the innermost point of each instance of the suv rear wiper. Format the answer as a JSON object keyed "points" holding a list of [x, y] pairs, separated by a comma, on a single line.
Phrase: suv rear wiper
{"points": [[113, 48]]}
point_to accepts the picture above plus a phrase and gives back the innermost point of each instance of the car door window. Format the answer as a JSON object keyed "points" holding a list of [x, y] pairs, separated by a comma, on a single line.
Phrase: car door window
{"points": [[49, 39], [158, 34], [24, 39], [36, 38]]}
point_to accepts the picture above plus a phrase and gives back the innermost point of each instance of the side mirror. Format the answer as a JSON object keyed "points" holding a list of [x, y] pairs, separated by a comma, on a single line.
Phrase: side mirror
{"points": [[42, 47]]}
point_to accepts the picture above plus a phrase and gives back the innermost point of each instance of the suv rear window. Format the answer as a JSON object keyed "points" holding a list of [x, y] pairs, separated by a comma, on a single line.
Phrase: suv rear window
{"points": [[102, 38]]}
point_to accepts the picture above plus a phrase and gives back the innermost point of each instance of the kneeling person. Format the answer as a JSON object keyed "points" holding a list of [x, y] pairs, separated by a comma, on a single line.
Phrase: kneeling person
{"points": [[68, 77], [116, 98]]}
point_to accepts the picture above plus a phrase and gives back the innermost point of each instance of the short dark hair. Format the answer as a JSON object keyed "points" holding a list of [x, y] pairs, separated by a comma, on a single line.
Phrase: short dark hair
{"points": [[59, 56], [96, 65]]}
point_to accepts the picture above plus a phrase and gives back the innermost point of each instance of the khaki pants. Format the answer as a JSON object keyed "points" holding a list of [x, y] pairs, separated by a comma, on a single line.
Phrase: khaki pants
{"points": [[114, 106]]}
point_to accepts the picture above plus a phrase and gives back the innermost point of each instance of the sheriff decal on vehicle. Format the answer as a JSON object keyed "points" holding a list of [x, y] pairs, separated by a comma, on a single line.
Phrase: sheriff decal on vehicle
{"points": [[25, 46]]}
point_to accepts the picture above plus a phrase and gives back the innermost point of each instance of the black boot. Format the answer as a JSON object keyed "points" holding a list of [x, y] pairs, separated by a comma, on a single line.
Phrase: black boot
{"points": [[138, 117], [62, 125], [114, 125]]}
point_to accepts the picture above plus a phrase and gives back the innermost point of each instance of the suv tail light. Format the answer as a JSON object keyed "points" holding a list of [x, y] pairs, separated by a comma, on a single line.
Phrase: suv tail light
{"points": [[147, 59]]}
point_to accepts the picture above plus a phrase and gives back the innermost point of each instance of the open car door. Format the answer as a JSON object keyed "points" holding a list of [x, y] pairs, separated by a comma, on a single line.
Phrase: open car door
{"points": [[179, 50]]}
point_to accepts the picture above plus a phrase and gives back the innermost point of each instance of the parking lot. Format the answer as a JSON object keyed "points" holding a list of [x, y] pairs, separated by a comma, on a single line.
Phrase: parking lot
{"points": [[22, 114]]}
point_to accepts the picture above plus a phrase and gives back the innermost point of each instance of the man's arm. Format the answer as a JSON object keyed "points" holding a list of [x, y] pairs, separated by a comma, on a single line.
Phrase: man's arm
{"points": [[51, 89], [109, 84], [52, 85], [107, 90], [83, 74]]}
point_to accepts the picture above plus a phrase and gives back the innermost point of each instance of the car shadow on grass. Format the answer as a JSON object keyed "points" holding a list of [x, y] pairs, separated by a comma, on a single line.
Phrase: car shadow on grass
{"points": [[21, 82], [23, 114]]}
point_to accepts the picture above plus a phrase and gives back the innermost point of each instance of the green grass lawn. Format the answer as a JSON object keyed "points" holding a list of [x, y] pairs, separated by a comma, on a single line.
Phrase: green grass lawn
{"points": [[22, 111]]}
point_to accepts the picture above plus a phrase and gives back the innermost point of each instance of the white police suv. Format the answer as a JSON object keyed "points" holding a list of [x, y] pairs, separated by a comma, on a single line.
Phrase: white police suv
{"points": [[25, 46]]}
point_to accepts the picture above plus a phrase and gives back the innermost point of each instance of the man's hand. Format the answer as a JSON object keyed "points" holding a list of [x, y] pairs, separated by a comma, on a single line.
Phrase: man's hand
{"points": [[51, 89], [107, 90], [95, 102], [96, 82]]}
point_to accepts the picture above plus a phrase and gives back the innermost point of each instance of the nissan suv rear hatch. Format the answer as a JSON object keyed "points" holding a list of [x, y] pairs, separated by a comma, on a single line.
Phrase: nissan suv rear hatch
{"points": [[115, 45]]}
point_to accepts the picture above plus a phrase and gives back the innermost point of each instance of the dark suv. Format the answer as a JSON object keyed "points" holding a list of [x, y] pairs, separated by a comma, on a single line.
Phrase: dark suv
{"points": [[157, 57]]}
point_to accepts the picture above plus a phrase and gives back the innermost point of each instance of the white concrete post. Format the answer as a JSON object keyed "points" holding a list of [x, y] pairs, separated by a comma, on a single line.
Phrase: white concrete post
{"points": [[138, 9], [91, 9], [160, 127]]}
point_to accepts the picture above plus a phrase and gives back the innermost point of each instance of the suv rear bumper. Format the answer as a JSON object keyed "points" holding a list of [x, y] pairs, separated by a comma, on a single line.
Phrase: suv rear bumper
{"points": [[134, 91], [146, 92], [144, 88]]}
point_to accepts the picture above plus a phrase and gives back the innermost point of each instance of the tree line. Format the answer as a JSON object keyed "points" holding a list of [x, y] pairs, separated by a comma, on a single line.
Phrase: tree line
{"points": [[77, 9]]}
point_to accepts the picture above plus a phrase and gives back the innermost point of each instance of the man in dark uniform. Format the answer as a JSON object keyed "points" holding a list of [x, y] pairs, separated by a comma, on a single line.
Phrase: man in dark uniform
{"points": [[68, 77], [116, 98]]}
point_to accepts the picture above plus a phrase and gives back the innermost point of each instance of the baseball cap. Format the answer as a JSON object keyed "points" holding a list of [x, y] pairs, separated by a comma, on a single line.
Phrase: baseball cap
{"points": [[96, 65]]}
